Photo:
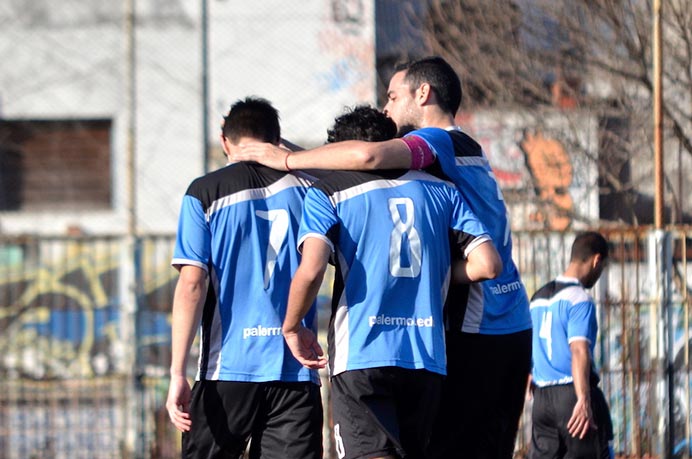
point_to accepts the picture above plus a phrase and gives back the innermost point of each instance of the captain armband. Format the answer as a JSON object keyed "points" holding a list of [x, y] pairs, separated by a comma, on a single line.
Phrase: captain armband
{"points": [[421, 154]]}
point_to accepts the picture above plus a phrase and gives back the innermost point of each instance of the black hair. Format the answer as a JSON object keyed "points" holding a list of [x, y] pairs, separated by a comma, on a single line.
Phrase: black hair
{"points": [[588, 244], [441, 77], [362, 123], [252, 117]]}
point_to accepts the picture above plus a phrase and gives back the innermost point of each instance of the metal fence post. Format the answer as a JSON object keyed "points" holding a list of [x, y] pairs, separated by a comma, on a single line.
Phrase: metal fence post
{"points": [[662, 340]]}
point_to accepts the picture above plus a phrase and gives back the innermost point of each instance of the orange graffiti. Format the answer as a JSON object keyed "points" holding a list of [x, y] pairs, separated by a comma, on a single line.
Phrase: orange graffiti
{"points": [[551, 169]]}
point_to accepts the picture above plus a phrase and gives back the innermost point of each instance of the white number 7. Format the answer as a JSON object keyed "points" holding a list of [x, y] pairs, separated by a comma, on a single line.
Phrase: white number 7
{"points": [[278, 229]]}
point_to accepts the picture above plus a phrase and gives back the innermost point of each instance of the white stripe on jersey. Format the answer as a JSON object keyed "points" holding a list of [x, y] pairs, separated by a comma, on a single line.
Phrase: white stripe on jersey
{"points": [[557, 382], [410, 176], [575, 294], [463, 161], [315, 235], [216, 336], [215, 339], [286, 182], [179, 262], [475, 243], [341, 330], [579, 338]]}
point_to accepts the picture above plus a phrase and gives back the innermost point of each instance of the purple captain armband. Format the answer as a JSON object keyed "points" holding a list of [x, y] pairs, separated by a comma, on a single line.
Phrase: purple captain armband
{"points": [[421, 154]]}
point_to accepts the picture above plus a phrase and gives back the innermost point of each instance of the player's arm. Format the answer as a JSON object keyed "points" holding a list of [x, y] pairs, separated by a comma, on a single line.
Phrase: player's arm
{"points": [[582, 417], [304, 288], [481, 262], [188, 303], [348, 155]]}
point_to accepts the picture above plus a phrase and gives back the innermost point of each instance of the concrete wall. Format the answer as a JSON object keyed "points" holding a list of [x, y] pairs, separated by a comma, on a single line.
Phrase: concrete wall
{"points": [[69, 60]]}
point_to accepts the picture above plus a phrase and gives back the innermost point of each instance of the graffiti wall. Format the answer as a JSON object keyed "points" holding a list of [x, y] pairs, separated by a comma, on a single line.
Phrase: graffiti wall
{"points": [[61, 311], [65, 347], [546, 165]]}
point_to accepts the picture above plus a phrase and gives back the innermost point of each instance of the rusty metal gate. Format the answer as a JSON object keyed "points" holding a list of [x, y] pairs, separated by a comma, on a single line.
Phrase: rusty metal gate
{"points": [[85, 376]]}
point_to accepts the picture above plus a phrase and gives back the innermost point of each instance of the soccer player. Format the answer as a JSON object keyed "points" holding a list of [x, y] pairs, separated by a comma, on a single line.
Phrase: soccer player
{"points": [[236, 253], [388, 233], [489, 326], [570, 414]]}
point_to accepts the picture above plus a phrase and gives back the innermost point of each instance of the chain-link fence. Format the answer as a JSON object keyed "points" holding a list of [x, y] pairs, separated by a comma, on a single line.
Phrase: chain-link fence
{"points": [[70, 389]]}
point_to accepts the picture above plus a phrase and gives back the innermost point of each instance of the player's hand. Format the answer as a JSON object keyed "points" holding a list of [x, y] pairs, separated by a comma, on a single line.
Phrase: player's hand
{"points": [[178, 403], [581, 420], [305, 348], [263, 153]]}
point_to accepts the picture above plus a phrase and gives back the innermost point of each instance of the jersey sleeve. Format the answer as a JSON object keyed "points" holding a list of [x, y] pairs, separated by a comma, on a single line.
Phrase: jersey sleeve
{"points": [[581, 322], [193, 241], [319, 216], [467, 230]]}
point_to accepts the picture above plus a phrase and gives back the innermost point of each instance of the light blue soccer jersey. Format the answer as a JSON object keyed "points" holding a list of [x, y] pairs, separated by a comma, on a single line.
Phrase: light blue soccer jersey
{"points": [[240, 224], [562, 312], [500, 305], [390, 234]]}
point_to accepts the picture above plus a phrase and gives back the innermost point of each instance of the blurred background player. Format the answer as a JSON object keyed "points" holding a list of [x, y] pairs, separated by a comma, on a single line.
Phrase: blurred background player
{"points": [[570, 414]]}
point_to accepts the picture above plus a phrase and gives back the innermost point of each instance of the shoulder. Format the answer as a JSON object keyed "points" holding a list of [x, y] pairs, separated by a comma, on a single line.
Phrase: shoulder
{"points": [[558, 289], [239, 177], [464, 144], [434, 136]]}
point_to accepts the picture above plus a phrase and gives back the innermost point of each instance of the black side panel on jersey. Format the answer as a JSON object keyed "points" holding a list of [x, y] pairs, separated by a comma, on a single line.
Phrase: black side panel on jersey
{"points": [[232, 179], [457, 295], [464, 145], [435, 169], [207, 319]]}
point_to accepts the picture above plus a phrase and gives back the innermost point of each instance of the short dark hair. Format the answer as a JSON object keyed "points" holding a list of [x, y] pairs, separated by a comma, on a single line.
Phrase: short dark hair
{"points": [[362, 123], [252, 117], [441, 77], [588, 244]]}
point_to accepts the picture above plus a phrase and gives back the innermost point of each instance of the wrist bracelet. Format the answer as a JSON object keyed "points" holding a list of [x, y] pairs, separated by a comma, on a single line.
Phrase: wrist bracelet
{"points": [[286, 162]]}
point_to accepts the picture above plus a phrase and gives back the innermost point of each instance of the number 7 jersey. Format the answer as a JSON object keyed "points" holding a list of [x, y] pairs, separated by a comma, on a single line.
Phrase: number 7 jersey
{"points": [[240, 224], [390, 237]]}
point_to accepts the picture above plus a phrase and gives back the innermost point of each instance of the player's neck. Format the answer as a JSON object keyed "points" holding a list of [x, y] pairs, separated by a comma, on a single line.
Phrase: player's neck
{"points": [[437, 118]]}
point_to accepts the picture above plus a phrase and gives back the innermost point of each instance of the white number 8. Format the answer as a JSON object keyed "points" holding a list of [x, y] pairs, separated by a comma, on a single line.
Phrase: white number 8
{"points": [[396, 239]]}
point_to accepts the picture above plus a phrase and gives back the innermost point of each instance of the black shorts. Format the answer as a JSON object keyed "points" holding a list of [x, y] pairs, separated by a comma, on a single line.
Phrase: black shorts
{"points": [[552, 409], [483, 395], [384, 411], [284, 419]]}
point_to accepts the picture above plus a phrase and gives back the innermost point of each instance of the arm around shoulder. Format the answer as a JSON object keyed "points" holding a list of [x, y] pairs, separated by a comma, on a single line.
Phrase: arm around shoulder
{"points": [[354, 155]]}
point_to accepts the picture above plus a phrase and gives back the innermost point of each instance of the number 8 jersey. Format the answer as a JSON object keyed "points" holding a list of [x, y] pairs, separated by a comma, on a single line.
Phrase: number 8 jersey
{"points": [[240, 224], [390, 236]]}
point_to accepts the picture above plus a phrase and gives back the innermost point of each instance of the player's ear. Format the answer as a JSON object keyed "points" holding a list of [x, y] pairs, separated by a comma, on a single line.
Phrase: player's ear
{"points": [[424, 93], [596, 260], [225, 145]]}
